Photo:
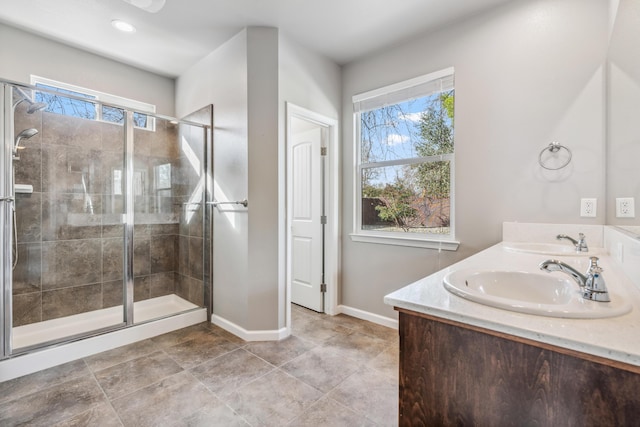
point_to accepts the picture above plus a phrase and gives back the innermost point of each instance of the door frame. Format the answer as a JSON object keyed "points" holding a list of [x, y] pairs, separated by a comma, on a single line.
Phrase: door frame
{"points": [[332, 205]]}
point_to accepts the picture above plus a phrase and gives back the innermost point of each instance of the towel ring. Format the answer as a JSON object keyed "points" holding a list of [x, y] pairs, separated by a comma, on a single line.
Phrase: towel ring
{"points": [[554, 147]]}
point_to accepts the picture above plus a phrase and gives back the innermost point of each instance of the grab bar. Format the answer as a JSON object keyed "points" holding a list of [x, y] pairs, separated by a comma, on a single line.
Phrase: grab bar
{"points": [[215, 203]]}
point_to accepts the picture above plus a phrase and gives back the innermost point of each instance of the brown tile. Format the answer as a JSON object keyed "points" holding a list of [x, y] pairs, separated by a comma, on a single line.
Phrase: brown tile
{"points": [[375, 330], [387, 362], [199, 349], [113, 138], [64, 168], [225, 334], [102, 415], [29, 217], [370, 393], [273, 399], [71, 216], [27, 308], [195, 257], [321, 368], [166, 402], [317, 329], [54, 404], [356, 346], [215, 415], [28, 169], [181, 335], [112, 259], [68, 301], [141, 256], [112, 294], [141, 288], [328, 412], [161, 284], [18, 387], [183, 255], [70, 263], [279, 352], [226, 373], [119, 355], [163, 253], [190, 289], [27, 274], [132, 375], [71, 131], [163, 229]]}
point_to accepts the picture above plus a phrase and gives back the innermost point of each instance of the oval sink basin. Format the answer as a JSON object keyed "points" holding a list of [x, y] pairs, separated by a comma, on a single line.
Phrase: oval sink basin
{"points": [[533, 293], [548, 249]]}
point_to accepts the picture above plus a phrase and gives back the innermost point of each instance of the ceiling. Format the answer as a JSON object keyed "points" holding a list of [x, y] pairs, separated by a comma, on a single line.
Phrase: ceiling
{"points": [[184, 31]]}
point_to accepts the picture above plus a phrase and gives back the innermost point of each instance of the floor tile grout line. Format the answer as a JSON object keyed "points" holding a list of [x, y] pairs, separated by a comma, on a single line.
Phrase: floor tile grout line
{"points": [[104, 393]]}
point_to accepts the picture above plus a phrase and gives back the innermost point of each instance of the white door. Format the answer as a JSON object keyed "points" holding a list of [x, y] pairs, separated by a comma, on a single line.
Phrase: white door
{"points": [[306, 198]]}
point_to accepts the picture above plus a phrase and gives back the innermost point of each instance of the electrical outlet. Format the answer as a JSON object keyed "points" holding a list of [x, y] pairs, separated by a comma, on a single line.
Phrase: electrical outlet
{"points": [[625, 207], [588, 207]]}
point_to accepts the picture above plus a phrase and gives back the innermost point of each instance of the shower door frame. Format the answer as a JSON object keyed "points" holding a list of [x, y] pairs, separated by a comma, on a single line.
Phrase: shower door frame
{"points": [[6, 271], [6, 206]]}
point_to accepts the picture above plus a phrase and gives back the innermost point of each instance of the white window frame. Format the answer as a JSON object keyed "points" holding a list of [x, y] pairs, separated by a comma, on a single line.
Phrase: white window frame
{"points": [[106, 98], [388, 95]]}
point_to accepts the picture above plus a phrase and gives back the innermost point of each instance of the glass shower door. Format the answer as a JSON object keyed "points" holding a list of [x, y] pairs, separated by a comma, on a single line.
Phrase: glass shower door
{"points": [[167, 189], [68, 263]]}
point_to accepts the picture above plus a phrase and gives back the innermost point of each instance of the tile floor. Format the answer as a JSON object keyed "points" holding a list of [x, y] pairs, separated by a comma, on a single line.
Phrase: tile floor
{"points": [[332, 371]]}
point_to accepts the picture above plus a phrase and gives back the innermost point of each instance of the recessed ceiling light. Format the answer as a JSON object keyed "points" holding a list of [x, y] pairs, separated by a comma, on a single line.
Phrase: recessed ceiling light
{"points": [[125, 27]]}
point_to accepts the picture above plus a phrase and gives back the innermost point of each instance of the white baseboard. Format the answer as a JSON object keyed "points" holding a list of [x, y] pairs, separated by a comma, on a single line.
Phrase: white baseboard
{"points": [[239, 331], [371, 317]]}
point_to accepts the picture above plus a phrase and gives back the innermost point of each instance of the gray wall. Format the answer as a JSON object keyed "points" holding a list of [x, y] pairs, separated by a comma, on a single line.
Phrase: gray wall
{"points": [[623, 130], [527, 73], [221, 79], [248, 80], [23, 54]]}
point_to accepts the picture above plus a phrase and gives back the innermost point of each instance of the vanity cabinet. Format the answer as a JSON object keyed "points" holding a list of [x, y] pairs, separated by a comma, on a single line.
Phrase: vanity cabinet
{"points": [[456, 374]]}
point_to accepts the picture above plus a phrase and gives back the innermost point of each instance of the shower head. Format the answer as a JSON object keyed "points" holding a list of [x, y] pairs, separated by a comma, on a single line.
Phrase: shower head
{"points": [[33, 106], [25, 134]]}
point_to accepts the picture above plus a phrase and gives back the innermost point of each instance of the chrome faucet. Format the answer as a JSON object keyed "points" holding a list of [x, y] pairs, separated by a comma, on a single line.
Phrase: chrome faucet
{"points": [[591, 284], [580, 244]]}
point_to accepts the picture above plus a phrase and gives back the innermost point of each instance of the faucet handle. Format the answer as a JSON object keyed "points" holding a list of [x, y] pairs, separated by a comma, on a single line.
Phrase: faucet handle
{"points": [[595, 288], [581, 246]]}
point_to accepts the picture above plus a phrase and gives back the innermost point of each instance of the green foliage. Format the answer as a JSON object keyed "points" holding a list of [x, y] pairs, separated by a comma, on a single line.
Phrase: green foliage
{"points": [[397, 199], [436, 131]]}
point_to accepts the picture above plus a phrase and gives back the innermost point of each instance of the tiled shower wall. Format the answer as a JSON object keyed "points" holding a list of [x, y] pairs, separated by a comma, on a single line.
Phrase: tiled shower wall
{"points": [[70, 239]]}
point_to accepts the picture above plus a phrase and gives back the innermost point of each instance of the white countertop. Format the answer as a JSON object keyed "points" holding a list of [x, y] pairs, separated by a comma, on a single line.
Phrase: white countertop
{"points": [[616, 338]]}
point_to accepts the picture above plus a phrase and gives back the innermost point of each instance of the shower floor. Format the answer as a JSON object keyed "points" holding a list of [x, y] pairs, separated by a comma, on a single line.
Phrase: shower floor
{"points": [[143, 311]]}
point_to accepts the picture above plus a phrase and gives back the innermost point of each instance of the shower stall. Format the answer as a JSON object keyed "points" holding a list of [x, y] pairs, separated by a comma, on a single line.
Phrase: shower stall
{"points": [[104, 217]]}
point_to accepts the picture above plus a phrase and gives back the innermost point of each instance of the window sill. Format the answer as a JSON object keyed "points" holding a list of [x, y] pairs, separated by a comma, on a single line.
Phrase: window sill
{"points": [[445, 245]]}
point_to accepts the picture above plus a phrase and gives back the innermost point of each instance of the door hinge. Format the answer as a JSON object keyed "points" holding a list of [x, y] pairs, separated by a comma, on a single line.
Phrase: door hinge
{"points": [[323, 219], [323, 287], [323, 151]]}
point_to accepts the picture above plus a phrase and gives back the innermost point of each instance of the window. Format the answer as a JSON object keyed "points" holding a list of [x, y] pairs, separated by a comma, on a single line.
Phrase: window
{"points": [[405, 163], [86, 103]]}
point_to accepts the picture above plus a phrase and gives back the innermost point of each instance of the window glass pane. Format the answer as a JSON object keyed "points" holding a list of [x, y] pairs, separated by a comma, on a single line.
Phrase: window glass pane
{"points": [[140, 120], [112, 114], [407, 198], [416, 128], [67, 106]]}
